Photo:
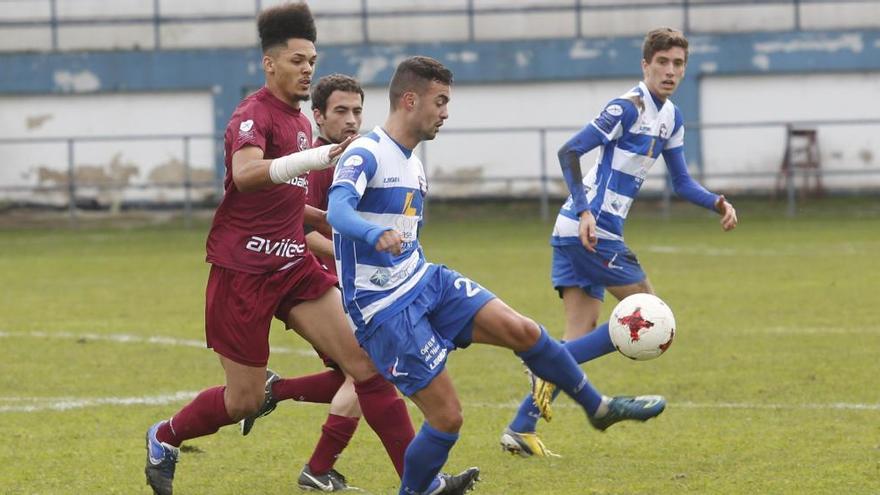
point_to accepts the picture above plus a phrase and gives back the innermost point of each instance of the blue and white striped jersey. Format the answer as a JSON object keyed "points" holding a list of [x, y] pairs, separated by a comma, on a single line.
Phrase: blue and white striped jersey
{"points": [[377, 284], [634, 132]]}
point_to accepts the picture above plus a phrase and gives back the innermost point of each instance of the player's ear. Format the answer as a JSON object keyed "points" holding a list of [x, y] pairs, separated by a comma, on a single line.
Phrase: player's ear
{"points": [[319, 117], [268, 64], [410, 99]]}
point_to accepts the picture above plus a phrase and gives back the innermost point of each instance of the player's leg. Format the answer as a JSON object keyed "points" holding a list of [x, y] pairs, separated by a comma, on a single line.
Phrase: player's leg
{"points": [[336, 433], [237, 328], [581, 313], [211, 409], [322, 322], [429, 450], [498, 324]]}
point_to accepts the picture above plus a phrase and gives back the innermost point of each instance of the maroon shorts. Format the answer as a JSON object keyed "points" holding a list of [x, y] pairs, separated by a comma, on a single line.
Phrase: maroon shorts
{"points": [[239, 306]]}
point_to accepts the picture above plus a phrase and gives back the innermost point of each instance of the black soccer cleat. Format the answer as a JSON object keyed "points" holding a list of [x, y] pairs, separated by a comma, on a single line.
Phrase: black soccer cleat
{"points": [[269, 404], [457, 484], [332, 481]]}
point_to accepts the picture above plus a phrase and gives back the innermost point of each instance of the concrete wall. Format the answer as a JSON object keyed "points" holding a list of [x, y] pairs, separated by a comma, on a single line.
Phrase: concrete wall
{"points": [[130, 24]]}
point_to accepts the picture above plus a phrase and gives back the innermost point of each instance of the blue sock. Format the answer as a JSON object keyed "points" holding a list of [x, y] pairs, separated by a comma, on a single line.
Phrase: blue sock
{"points": [[526, 419], [425, 456], [550, 361], [592, 345]]}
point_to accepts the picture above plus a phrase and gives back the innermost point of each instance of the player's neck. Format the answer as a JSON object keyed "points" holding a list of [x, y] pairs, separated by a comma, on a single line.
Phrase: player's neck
{"points": [[277, 93], [400, 132]]}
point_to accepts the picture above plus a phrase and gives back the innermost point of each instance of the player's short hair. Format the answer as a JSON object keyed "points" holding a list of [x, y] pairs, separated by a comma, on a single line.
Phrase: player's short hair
{"points": [[661, 39], [279, 24], [415, 74], [334, 82]]}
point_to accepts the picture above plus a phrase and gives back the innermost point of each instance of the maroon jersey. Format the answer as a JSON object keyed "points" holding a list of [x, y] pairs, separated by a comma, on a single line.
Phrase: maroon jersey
{"points": [[261, 231], [319, 194]]}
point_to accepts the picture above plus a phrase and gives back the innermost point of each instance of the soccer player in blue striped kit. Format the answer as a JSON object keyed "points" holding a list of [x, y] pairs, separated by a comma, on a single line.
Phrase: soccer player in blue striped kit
{"points": [[589, 253], [408, 314]]}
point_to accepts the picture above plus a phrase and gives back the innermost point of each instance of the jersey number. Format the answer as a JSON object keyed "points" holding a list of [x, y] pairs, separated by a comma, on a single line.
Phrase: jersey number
{"points": [[469, 288]]}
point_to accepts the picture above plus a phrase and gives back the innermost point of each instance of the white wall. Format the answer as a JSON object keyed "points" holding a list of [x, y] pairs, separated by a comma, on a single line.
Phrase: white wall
{"points": [[759, 150], [128, 161]]}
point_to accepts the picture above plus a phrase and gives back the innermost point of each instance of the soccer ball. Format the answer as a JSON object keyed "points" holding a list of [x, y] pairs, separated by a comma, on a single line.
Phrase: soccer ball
{"points": [[642, 327]]}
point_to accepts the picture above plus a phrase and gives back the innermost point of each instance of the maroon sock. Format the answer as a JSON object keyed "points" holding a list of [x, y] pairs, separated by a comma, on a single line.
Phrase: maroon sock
{"points": [[386, 414], [335, 435], [319, 388], [203, 416]]}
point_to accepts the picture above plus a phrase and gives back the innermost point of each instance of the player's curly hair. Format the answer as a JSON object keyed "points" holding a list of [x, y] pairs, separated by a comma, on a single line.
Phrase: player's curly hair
{"points": [[661, 39], [279, 24], [414, 74], [328, 84]]}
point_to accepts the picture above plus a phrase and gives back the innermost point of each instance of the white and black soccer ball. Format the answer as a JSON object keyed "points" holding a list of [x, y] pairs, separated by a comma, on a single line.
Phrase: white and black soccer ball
{"points": [[642, 327]]}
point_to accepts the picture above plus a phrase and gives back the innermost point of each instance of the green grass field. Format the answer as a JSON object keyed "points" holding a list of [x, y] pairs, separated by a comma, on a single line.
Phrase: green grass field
{"points": [[772, 381]]}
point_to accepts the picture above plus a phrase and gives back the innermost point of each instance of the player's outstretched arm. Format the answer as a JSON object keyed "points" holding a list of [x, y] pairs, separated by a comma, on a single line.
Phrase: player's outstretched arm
{"points": [[251, 172], [685, 186]]}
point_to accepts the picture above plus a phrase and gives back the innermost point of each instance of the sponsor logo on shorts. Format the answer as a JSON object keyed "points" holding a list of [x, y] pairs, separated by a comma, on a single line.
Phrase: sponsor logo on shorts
{"points": [[394, 372]]}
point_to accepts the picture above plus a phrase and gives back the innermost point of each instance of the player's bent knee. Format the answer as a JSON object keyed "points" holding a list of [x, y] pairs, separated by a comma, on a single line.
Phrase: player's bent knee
{"points": [[523, 333], [449, 421], [242, 405]]}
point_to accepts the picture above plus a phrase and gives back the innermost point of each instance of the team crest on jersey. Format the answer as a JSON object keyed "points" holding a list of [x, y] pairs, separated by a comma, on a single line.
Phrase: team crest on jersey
{"points": [[246, 129], [302, 140], [663, 131], [615, 110]]}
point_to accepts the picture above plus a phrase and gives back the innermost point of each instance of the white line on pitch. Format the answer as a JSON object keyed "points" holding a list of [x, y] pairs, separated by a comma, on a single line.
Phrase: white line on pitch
{"points": [[137, 339], [68, 403], [34, 404]]}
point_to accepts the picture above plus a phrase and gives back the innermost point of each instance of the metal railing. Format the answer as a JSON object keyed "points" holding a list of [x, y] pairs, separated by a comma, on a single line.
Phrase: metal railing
{"points": [[546, 172], [367, 11], [69, 184]]}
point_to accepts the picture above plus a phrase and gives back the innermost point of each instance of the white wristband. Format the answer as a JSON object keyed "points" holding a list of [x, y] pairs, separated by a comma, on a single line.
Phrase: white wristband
{"points": [[285, 168]]}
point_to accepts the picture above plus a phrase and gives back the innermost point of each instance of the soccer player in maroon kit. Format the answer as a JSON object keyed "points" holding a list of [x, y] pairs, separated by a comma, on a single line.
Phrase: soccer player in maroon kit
{"points": [[260, 266], [337, 107]]}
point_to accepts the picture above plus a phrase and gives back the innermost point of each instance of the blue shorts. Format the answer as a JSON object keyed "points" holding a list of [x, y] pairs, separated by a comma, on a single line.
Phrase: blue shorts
{"points": [[410, 348], [612, 265]]}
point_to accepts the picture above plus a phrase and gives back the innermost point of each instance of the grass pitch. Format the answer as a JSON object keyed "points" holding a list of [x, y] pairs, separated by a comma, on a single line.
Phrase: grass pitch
{"points": [[771, 381]]}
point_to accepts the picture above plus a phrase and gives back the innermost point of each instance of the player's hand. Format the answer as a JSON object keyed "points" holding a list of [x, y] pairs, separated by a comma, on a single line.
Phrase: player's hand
{"points": [[728, 213], [390, 242], [587, 231], [337, 149]]}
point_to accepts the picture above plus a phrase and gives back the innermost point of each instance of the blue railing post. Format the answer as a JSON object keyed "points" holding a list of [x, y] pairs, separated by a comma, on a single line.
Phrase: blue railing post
{"points": [[545, 188], [71, 184], [187, 185]]}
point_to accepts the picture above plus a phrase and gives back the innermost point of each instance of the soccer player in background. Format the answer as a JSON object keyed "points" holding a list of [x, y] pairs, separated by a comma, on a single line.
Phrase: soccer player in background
{"points": [[408, 313], [589, 253], [259, 263], [337, 105]]}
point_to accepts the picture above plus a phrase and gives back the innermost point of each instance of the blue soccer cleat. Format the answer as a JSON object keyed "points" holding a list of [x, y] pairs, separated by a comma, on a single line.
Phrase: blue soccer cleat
{"points": [[269, 404], [161, 461], [641, 408]]}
